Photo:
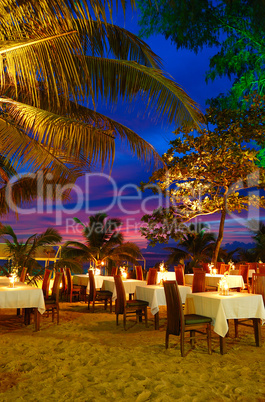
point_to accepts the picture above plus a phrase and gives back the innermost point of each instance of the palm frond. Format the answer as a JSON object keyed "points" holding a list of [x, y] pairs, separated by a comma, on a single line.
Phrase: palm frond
{"points": [[114, 79]]}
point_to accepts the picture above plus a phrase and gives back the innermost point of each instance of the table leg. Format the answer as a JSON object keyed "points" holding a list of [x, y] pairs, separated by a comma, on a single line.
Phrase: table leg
{"points": [[257, 330], [156, 320], [37, 319], [223, 349]]}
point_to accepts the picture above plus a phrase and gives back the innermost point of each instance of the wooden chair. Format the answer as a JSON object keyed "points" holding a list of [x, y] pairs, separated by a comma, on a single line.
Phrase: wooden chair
{"points": [[197, 270], [243, 270], [152, 276], [205, 267], [23, 274], [128, 307], [72, 291], [98, 296], [114, 271], [258, 287], [261, 269], [179, 272], [139, 272], [52, 303], [253, 265], [222, 269], [63, 288], [46, 282], [178, 323], [198, 284]]}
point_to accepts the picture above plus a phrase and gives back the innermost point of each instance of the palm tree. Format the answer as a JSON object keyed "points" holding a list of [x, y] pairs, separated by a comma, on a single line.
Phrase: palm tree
{"points": [[258, 251], [23, 253], [59, 58], [104, 244], [195, 246]]}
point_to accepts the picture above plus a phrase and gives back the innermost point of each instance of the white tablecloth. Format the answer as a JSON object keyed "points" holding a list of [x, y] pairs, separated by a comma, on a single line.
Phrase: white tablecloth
{"points": [[129, 286], [234, 281], [83, 280], [221, 308], [155, 295], [166, 276], [22, 296]]}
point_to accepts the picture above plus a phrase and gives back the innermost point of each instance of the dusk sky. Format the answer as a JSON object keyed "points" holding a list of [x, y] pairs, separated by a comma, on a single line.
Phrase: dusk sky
{"points": [[97, 188]]}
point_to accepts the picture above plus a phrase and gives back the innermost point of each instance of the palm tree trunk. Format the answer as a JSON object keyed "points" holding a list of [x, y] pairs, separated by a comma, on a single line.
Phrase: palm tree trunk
{"points": [[221, 231]]}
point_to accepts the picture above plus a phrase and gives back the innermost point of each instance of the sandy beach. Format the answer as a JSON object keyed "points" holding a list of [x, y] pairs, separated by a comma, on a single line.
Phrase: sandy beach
{"points": [[88, 358]]}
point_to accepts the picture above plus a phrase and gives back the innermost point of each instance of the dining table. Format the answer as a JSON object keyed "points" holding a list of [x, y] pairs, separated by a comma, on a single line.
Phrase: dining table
{"points": [[155, 296], [83, 280], [165, 276], [23, 296], [221, 308], [233, 281], [129, 286]]}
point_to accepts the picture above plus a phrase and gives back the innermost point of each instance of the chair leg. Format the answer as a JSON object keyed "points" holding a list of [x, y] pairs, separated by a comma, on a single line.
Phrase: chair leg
{"points": [[110, 304], [209, 339], [124, 321], [117, 319], [53, 314], [182, 343], [57, 310], [192, 338], [145, 317]]}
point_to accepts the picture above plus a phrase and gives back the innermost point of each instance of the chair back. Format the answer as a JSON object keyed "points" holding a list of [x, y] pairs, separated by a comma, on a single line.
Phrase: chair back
{"points": [[152, 276], [197, 270], [120, 302], [205, 267], [64, 281], [258, 285], [179, 272], [222, 269], [139, 272], [261, 269], [243, 271], [23, 274], [69, 281], [175, 315], [252, 265], [92, 285], [198, 284], [46, 282], [114, 271], [56, 286]]}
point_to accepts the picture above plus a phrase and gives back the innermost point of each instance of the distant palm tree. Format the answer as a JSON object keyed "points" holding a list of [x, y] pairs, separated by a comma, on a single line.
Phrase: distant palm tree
{"points": [[196, 246], [104, 244], [258, 251], [59, 59], [23, 253]]}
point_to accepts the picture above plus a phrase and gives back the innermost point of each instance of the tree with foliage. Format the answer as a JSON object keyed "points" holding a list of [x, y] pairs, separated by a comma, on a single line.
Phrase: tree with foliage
{"points": [[195, 246], [210, 172], [257, 252], [59, 58], [23, 253], [104, 244], [235, 27]]}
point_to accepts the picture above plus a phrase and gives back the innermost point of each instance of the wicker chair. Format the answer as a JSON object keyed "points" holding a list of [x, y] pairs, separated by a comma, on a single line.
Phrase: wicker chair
{"points": [[52, 303], [128, 307], [139, 273], [98, 296], [152, 276], [179, 272], [198, 284], [178, 323]]}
